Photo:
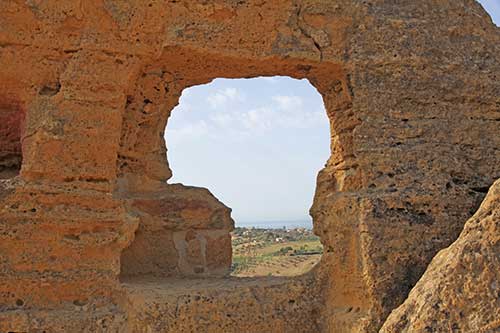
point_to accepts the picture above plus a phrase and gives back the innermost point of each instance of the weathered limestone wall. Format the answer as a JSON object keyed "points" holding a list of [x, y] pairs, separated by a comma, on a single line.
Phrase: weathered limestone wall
{"points": [[225, 305], [461, 285], [411, 90], [182, 231], [11, 125], [436, 158]]}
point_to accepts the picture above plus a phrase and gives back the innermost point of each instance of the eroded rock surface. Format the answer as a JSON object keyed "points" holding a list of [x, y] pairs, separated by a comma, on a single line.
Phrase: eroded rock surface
{"points": [[460, 291], [411, 91], [11, 126], [182, 230], [224, 305]]}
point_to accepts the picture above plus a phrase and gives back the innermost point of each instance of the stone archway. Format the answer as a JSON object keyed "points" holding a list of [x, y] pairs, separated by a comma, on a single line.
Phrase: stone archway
{"points": [[143, 167], [184, 230], [414, 141]]}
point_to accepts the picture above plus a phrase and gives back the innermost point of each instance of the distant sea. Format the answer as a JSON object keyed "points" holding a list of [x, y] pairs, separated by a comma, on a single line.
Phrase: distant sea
{"points": [[275, 224]]}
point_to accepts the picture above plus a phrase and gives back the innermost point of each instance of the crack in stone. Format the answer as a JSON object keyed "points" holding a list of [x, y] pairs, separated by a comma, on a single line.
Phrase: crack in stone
{"points": [[304, 31]]}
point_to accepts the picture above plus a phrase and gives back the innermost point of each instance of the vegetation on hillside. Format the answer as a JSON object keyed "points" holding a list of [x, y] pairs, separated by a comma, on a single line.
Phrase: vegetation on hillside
{"points": [[286, 252]]}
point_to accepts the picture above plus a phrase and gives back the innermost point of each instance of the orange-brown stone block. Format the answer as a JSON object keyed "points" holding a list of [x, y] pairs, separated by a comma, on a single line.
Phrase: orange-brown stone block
{"points": [[93, 239], [11, 127]]}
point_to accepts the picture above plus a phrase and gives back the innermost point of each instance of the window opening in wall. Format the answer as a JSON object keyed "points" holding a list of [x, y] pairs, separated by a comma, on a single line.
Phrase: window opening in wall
{"points": [[257, 145]]}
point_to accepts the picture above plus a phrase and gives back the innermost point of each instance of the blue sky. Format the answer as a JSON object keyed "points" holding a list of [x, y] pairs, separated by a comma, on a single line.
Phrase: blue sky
{"points": [[257, 144], [493, 8]]}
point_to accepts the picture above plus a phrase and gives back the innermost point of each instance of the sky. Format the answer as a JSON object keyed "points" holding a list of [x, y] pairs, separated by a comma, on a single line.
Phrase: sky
{"points": [[493, 8], [256, 144]]}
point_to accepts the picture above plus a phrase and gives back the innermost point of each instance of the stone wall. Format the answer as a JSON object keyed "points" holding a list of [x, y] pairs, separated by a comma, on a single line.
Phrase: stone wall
{"points": [[459, 290], [11, 125], [411, 90], [182, 231]]}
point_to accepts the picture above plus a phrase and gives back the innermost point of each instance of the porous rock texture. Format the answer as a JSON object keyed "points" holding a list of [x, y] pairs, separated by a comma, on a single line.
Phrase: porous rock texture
{"points": [[411, 90], [11, 125], [224, 305], [182, 230], [460, 291]]}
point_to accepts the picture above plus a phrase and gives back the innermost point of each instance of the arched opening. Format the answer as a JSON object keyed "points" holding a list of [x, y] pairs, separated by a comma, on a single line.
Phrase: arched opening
{"points": [[257, 145], [11, 125], [183, 232]]}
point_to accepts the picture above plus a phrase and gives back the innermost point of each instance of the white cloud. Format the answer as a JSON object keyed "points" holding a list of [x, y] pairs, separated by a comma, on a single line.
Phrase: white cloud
{"points": [[270, 79], [230, 134], [216, 100], [222, 119], [231, 117], [288, 102], [261, 119], [264, 119], [222, 97], [232, 93]]}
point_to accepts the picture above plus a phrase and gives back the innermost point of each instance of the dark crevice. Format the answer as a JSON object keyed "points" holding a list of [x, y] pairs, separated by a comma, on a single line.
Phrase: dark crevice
{"points": [[11, 130], [50, 89], [85, 179], [307, 34], [129, 101], [482, 189]]}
